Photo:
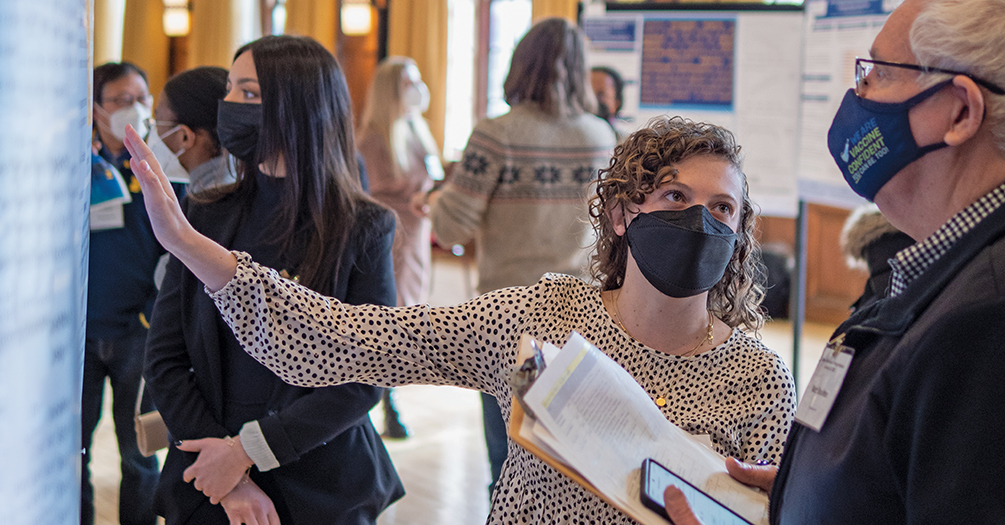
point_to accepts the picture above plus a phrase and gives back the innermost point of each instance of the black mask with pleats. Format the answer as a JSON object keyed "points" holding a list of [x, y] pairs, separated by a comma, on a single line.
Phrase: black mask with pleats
{"points": [[681, 253], [238, 126]]}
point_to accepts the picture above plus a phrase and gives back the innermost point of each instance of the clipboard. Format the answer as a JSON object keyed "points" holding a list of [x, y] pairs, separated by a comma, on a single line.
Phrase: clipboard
{"points": [[520, 420]]}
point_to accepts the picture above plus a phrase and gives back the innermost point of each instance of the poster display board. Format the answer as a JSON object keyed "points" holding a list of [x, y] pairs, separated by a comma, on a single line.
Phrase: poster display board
{"points": [[44, 192], [738, 69], [687, 62], [836, 32]]}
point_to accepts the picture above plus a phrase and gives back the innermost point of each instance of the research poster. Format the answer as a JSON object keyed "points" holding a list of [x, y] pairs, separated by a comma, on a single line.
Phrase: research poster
{"points": [[738, 69], [44, 193], [687, 62]]}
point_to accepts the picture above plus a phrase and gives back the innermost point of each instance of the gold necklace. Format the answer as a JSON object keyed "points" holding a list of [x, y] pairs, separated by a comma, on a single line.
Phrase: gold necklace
{"points": [[709, 337]]}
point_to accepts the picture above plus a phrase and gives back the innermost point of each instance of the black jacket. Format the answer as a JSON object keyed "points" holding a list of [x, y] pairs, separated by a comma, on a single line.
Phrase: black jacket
{"points": [[333, 465], [917, 431]]}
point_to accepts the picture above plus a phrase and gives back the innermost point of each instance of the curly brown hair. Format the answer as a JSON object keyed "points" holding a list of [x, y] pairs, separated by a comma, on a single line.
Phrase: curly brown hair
{"points": [[643, 162]]}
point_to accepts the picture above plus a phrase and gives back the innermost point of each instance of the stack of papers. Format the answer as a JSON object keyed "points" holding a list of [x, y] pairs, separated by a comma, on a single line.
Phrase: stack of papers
{"points": [[593, 422]]}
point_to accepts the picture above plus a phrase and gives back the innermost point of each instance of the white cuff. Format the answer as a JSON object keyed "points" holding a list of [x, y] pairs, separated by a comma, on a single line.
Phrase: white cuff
{"points": [[257, 447]]}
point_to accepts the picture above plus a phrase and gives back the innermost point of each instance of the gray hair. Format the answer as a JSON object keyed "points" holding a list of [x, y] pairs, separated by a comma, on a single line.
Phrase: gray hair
{"points": [[969, 36]]}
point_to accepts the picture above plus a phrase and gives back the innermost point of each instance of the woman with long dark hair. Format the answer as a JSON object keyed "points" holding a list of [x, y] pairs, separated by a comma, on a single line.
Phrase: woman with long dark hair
{"points": [[261, 449]]}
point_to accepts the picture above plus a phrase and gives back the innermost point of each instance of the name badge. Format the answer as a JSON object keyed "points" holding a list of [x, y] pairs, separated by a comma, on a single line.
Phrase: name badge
{"points": [[825, 384], [107, 216]]}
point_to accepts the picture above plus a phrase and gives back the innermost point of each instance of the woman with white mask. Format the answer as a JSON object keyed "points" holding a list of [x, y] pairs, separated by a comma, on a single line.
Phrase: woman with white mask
{"points": [[401, 158], [183, 133]]}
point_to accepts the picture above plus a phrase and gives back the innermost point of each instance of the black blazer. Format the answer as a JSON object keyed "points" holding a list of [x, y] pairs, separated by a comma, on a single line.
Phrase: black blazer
{"points": [[333, 465]]}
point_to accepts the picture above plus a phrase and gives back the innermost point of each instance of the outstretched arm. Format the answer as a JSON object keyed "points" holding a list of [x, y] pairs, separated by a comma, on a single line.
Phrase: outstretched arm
{"points": [[211, 263]]}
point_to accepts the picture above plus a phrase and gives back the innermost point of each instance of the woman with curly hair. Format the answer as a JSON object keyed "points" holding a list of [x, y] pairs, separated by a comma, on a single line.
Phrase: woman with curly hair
{"points": [[675, 283]]}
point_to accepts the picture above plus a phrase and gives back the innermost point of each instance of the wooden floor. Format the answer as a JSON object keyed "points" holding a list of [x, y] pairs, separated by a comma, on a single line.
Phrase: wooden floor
{"points": [[443, 465]]}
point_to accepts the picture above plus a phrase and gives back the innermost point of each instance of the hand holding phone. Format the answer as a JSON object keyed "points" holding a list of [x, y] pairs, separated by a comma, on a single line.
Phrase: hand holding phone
{"points": [[656, 478]]}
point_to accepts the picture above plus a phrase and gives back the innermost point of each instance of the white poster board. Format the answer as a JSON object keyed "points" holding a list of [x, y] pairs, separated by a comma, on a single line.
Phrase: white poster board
{"points": [[836, 31], [737, 69], [44, 193]]}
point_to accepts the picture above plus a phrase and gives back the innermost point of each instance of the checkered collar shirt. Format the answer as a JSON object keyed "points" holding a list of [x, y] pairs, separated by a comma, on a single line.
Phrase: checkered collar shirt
{"points": [[912, 261]]}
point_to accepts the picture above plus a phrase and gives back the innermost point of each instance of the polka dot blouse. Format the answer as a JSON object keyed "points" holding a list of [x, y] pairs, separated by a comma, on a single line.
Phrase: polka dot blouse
{"points": [[740, 393]]}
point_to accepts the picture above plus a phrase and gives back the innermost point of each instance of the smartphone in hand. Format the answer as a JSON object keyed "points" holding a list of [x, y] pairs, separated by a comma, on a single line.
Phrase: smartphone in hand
{"points": [[656, 478]]}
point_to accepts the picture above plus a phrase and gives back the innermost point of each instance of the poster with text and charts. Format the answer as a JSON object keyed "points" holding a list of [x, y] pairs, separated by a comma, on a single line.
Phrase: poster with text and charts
{"points": [[736, 68], [835, 33]]}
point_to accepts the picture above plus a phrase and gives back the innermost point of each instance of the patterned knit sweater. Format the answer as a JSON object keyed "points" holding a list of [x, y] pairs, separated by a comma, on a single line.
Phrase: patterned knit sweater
{"points": [[520, 192], [739, 393]]}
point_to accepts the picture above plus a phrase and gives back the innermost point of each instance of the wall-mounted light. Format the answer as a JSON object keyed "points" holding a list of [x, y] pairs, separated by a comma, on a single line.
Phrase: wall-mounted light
{"points": [[176, 17], [355, 17]]}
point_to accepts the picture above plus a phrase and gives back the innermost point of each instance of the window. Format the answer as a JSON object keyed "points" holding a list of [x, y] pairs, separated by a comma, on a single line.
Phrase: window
{"points": [[481, 35], [508, 21], [461, 46], [279, 17]]}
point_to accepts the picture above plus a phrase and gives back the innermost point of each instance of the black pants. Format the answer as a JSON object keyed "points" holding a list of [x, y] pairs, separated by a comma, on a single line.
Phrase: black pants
{"points": [[496, 438], [120, 360]]}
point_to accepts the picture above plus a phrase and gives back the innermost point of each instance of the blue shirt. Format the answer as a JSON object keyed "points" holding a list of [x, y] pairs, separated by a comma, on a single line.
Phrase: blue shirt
{"points": [[121, 264]]}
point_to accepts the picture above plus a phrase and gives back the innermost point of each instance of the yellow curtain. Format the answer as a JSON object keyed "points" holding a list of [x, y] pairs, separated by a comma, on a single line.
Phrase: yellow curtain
{"points": [[144, 42], [109, 16], [317, 19], [219, 27], [548, 8], [418, 29]]}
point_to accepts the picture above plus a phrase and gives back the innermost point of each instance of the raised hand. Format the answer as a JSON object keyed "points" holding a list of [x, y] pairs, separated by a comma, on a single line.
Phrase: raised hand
{"points": [[247, 504], [168, 221], [213, 264], [219, 468]]}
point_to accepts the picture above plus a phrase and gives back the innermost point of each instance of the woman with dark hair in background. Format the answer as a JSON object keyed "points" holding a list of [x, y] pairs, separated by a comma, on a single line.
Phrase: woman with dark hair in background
{"points": [[520, 189], [669, 316], [260, 448], [610, 90], [183, 134]]}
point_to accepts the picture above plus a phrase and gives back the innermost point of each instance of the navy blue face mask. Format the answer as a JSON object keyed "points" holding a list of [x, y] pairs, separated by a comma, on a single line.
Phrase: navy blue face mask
{"points": [[872, 141], [681, 253]]}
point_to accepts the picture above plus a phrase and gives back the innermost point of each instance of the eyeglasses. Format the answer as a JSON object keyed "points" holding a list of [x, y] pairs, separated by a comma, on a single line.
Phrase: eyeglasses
{"points": [[124, 101], [864, 66], [151, 122]]}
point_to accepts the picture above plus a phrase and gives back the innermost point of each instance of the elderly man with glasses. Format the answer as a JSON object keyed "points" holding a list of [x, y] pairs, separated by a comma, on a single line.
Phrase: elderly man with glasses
{"points": [[907, 426]]}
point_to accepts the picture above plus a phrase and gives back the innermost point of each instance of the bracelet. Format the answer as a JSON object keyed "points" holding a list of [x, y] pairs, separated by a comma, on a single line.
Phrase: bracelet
{"points": [[231, 442]]}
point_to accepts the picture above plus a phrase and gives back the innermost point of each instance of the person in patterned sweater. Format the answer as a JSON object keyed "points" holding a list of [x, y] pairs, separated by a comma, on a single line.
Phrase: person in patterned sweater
{"points": [[520, 189], [675, 227]]}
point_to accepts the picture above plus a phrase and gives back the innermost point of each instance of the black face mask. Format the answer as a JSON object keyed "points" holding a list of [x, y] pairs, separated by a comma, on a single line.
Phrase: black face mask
{"points": [[603, 111], [681, 253], [238, 125]]}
